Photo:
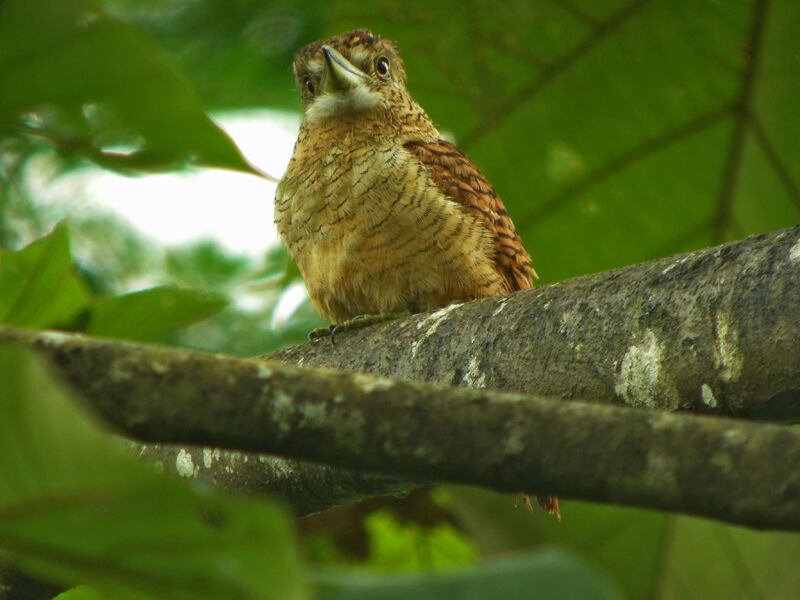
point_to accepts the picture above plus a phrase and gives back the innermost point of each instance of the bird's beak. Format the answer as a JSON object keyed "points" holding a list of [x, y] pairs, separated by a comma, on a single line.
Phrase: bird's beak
{"points": [[340, 73]]}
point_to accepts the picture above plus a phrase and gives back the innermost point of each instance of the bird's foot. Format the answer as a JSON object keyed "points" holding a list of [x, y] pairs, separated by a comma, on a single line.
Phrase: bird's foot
{"points": [[351, 324], [548, 503], [320, 332]]}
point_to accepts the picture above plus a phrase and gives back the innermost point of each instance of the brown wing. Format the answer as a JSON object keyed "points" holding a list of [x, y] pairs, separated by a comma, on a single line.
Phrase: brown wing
{"points": [[460, 180]]}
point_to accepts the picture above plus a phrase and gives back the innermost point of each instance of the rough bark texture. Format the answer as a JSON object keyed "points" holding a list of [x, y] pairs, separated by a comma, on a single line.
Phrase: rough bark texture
{"points": [[305, 487], [714, 331], [734, 470]]}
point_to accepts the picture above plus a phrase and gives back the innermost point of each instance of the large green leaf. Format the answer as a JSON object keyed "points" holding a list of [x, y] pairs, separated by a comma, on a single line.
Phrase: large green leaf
{"points": [[615, 131], [76, 508], [648, 554], [624, 543], [205, 265], [237, 54], [548, 575], [718, 562], [150, 314], [72, 74], [82, 592], [40, 288], [38, 284]]}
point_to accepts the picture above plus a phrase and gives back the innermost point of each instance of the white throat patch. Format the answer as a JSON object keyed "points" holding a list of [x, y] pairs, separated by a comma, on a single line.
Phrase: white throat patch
{"points": [[352, 100]]}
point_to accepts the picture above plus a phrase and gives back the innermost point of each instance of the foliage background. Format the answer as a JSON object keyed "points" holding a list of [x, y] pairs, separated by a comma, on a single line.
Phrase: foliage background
{"points": [[615, 131]]}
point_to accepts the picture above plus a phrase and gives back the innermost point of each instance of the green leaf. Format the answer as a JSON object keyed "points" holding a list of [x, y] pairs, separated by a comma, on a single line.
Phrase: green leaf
{"points": [[626, 544], [151, 313], [615, 131], [82, 592], [237, 54], [96, 87], [717, 561], [76, 508], [39, 285], [206, 265], [552, 575], [648, 554], [409, 547]]}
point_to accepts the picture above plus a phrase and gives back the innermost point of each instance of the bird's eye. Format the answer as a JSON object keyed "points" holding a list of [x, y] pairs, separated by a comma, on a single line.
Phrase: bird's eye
{"points": [[382, 67], [309, 85]]}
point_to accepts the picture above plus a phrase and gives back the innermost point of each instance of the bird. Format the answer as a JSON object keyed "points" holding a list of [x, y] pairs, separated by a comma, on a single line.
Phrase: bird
{"points": [[381, 214]]}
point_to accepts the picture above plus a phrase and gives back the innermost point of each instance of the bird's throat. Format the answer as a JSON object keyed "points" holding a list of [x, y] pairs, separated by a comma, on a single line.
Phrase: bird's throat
{"points": [[335, 104]]}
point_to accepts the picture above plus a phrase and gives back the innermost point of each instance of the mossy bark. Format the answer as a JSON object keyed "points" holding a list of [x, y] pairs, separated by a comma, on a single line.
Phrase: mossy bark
{"points": [[715, 331]]}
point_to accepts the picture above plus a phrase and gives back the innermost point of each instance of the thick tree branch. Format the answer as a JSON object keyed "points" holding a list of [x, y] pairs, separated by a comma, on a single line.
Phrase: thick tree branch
{"points": [[305, 487], [713, 331], [737, 471], [727, 469]]}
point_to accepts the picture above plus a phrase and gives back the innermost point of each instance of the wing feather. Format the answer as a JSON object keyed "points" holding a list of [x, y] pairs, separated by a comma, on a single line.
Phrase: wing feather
{"points": [[461, 181]]}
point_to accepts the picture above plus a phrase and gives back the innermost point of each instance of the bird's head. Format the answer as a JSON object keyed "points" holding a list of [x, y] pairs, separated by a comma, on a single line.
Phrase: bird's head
{"points": [[351, 73]]}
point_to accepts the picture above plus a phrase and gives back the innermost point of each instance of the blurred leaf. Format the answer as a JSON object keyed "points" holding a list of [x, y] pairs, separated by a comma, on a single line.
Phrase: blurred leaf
{"points": [[278, 262], [96, 87], [237, 54], [82, 592], [40, 288], [19, 215], [409, 547], [296, 329], [547, 575], [39, 285], [246, 333], [149, 314], [648, 554], [75, 507], [626, 544], [110, 254], [292, 271], [716, 561], [206, 265]]}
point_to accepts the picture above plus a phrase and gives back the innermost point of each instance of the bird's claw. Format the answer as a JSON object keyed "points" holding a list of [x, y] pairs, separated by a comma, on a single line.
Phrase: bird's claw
{"points": [[356, 322], [526, 501], [548, 503], [330, 331], [321, 332], [334, 330]]}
